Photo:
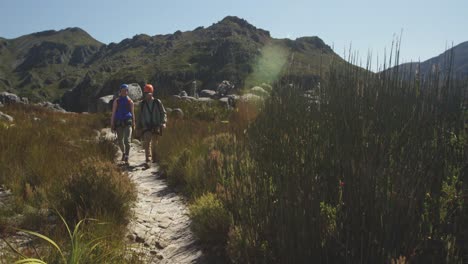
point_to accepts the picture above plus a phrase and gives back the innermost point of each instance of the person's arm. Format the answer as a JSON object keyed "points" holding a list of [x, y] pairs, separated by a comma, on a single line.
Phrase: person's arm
{"points": [[132, 110], [114, 108], [163, 114]]}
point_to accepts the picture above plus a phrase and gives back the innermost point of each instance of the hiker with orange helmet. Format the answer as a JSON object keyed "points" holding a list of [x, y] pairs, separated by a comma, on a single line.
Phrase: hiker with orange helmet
{"points": [[152, 120], [123, 120]]}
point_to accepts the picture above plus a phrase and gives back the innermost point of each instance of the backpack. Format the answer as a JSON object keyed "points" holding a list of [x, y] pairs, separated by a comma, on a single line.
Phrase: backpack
{"points": [[155, 101]]}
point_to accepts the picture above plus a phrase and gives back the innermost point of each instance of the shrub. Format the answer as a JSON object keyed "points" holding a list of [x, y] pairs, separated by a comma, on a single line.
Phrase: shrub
{"points": [[366, 171], [40, 163], [178, 168], [214, 111], [327, 221], [211, 220], [243, 248], [97, 190]]}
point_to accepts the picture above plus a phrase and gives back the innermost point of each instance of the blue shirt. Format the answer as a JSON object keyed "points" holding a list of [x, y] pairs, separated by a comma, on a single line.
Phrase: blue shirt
{"points": [[123, 108]]}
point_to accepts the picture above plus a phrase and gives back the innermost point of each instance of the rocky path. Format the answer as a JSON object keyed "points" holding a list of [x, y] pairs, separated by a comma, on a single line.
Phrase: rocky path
{"points": [[160, 229]]}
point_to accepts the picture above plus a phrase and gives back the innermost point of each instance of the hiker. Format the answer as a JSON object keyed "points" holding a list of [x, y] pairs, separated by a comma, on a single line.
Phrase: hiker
{"points": [[152, 120], [123, 120]]}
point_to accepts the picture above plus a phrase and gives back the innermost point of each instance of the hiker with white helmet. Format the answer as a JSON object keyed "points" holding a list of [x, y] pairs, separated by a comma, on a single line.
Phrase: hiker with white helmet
{"points": [[123, 120], [152, 120]]}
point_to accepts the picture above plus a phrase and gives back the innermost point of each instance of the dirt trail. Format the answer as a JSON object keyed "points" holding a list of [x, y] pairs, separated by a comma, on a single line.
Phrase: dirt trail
{"points": [[161, 225]]}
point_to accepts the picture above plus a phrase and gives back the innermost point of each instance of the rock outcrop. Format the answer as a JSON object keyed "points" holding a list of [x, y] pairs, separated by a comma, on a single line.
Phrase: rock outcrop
{"points": [[104, 104], [6, 117]]}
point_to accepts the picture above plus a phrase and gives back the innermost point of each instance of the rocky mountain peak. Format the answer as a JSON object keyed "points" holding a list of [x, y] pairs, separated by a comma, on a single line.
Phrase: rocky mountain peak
{"points": [[236, 23]]}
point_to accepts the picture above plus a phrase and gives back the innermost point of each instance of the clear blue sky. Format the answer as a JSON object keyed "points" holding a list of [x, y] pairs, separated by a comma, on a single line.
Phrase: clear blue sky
{"points": [[428, 26]]}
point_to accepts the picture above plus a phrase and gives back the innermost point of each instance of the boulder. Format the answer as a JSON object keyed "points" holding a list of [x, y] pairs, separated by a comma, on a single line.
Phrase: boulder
{"points": [[9, 98], [257, 90], [205, 100], [104, 104], [6, 117], [183, 93], [135, 92], [267, 87], [250, 98], [234, 97], [53, 107], [207, 93], [188, 98], [224, 100], [230, 100], [177, 113], [224, 88]]}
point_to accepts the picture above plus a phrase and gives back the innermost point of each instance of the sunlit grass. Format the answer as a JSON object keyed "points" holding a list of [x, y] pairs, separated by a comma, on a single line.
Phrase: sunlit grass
{"points": [[56, 160]]}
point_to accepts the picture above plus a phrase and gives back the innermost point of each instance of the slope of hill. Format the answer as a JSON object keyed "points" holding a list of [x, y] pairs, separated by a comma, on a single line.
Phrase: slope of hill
{"points": [[43, 65], [71, 67], [441, 62]]}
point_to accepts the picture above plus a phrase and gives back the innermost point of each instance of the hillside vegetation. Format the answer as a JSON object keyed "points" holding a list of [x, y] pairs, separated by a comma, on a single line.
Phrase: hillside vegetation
{"points": [[55, 165], [71, 67], [362, 169]]}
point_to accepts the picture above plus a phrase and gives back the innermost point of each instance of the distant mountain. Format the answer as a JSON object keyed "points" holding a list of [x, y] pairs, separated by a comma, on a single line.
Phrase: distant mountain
{"points": [[441, 62], [43, 65], [72, 67]]}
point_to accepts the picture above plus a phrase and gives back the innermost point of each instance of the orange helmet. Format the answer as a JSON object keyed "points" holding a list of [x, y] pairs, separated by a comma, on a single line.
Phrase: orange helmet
{"points": [[148, 88]]}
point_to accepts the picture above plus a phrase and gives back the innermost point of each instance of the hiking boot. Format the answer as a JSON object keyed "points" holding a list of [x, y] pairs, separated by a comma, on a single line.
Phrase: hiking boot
{"points": [[123, 157], [126, 158]]}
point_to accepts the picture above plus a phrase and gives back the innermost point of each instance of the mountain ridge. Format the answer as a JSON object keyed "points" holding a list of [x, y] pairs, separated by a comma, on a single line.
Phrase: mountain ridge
{"points": [[441, 62], [71, 67]]}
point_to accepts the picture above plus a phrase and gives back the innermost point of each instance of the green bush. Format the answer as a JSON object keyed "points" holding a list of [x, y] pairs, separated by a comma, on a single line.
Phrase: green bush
{"points": [[197, 168], [243, 248], [40, 163], [327, 221], [214, 111], [97, 190], [178, 167], [367, 170], [211, 220]]}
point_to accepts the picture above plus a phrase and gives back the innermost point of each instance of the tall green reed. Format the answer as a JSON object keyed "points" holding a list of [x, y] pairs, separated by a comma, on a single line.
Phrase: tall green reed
{"points": [[374, 149]]}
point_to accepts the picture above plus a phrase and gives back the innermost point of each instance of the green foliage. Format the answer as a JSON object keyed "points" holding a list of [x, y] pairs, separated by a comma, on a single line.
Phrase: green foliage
{"points": [[179, 168], [364, 170], [243, 247], [211, 220], [227, 50], [51, 159], [97, 190], [353, 164], [328, 221], [214, 111], [79, 246]]}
